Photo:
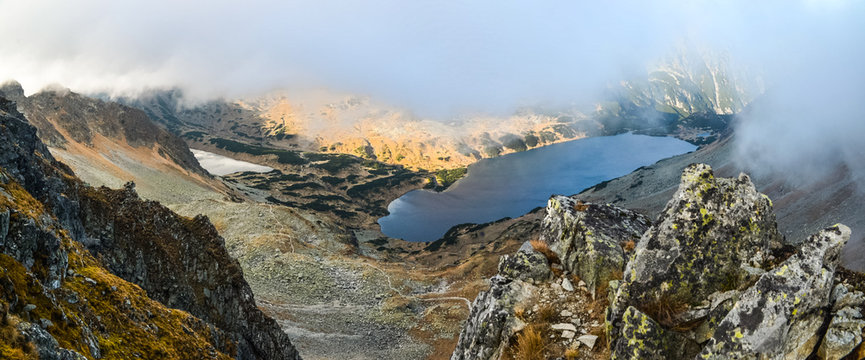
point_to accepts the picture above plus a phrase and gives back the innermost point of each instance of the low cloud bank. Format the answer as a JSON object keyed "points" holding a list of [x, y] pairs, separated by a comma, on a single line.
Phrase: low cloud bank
{"points": [[441, 59]]}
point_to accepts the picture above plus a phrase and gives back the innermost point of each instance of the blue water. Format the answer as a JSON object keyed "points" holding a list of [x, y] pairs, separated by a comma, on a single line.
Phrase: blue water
{"points": [[512, 185]]}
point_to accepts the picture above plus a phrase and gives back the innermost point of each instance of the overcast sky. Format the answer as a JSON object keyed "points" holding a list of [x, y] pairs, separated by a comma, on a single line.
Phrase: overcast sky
{"points": [[445, 57], [429, 55]]}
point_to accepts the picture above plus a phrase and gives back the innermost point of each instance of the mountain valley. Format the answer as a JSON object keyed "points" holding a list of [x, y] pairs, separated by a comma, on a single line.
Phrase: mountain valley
{"points": [[303, 238]]}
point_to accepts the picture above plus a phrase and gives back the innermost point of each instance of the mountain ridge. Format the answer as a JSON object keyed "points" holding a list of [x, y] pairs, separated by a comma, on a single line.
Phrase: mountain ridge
{"points": [[109, 143], [62, 215]]}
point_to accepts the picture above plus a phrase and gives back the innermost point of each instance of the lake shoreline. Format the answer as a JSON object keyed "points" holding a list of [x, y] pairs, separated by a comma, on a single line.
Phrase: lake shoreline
{"points": [[597, 162]]}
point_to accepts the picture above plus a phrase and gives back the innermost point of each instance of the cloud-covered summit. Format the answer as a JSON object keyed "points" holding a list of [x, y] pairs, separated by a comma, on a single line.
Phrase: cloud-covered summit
{"points": [[443, 58], [430, 56]]}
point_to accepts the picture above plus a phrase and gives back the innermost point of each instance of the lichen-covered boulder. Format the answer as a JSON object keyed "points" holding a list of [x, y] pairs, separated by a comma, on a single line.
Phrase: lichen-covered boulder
{"points": [[845, 329], [779, 316], [527, 265], [491, 321], [643, 338], [720, 304], [587, 237], [715, 235]]}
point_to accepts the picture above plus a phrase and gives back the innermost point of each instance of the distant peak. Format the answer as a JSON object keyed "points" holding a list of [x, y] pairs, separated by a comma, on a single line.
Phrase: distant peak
{"points": [[56, 89], [12, 90]]}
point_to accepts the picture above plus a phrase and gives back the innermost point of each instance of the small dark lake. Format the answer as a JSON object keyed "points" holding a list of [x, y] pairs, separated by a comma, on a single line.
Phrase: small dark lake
{"points": [[512, 185]]}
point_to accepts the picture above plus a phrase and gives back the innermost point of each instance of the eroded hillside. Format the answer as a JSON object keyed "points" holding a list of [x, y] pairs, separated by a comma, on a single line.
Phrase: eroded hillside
{"points": [[110, 144]]}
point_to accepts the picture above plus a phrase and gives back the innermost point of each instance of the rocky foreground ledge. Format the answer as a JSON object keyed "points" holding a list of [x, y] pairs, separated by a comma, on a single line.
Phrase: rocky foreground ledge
{"points": [[712, 278]]}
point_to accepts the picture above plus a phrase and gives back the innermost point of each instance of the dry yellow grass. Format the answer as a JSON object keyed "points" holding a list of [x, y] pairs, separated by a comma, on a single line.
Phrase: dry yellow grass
{"points": [[629, 245], [531, 345], [572, 353], [219, 224], [13, 345], [604, 286], [544, 248], [581, 206], [665, 308], [520, 312], [546, 313]]}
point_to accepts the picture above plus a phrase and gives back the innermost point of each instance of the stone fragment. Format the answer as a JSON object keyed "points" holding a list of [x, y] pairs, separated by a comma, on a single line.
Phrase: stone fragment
{"points": [[567, 286], [46, 346], [4, 225], [588, 340], [565, 327]]}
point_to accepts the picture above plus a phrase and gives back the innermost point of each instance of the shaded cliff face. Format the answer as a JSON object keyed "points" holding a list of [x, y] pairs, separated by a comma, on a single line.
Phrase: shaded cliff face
{"points": [[180, 262], [709, 279], [96, 305], [58, 302]]}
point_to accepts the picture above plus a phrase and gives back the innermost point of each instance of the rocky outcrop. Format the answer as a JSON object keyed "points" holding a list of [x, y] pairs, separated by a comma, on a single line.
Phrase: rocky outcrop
{"points": [[802, 208], [83, 119], [46, 214], [710, 279], [844, 333], [46, 346], [710, 275], [56, 301], [780, 315], [647, 339], [714, 236], [574, 234], [588, 238], [492, 320], [181, 263]]}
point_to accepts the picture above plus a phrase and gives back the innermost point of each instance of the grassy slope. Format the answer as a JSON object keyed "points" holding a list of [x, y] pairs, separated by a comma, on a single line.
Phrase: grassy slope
{"points": [[91, 304]]}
